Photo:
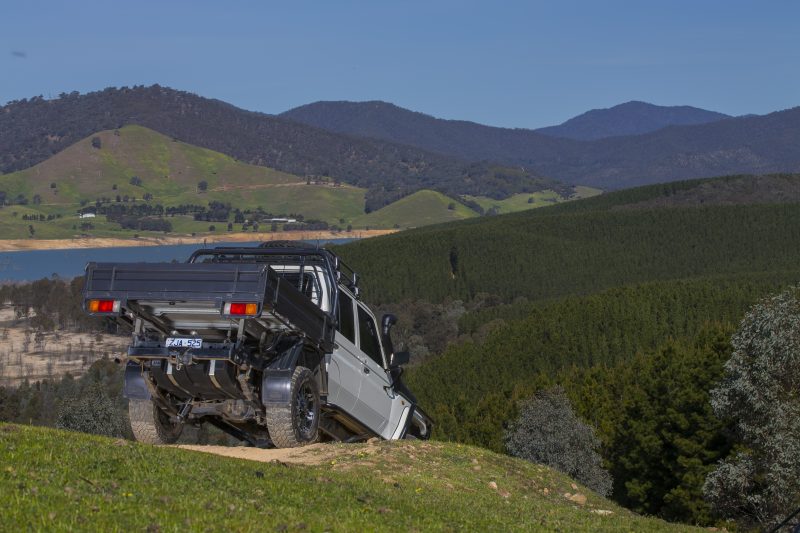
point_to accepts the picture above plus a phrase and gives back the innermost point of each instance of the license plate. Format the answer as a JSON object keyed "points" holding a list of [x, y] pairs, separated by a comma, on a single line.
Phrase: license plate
{"points": [[184, 342]]}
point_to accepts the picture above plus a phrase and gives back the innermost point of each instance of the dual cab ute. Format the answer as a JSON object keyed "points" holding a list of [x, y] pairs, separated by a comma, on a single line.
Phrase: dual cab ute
{"points": [[271, 344]]}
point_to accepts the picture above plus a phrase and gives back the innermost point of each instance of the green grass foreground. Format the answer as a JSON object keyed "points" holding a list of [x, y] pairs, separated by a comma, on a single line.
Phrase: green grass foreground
{"points": [[61, 481]]}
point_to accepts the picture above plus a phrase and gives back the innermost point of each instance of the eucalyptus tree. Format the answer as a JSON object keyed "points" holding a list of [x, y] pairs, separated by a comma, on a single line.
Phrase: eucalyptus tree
{"points": [[760, 394]]}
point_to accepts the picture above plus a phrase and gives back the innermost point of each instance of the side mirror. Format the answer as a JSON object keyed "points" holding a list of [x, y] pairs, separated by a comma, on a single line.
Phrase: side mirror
{"points": [[400, 359], [387, 322]]}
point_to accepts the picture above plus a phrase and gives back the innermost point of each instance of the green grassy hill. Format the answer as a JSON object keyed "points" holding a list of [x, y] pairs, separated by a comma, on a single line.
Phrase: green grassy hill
{"points": [[419, 209], [171, 172], [57, 480], [525, 201]]}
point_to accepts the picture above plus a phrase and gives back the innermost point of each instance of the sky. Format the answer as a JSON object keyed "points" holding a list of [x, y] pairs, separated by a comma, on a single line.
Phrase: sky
{"points": [[521, 64]]}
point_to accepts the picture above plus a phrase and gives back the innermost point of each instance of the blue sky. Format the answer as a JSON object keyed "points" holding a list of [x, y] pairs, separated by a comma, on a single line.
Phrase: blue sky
{"points": [[515, 64]]}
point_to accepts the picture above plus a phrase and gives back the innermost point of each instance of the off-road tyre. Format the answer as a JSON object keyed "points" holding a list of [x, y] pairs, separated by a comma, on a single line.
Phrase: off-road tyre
{"points": [[151, 424], [296, 424]]}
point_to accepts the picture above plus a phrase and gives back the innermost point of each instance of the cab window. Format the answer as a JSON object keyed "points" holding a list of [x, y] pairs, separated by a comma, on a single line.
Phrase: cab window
{"points": [[347, 326], [368, 336]]}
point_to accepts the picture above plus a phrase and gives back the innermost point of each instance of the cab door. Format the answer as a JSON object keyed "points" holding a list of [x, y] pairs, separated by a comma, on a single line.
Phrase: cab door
{"points": [[345, 369], [375, 396]]}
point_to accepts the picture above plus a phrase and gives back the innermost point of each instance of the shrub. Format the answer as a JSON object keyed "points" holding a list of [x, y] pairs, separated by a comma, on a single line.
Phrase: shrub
{"points": [[548, 432], [93, 411]]}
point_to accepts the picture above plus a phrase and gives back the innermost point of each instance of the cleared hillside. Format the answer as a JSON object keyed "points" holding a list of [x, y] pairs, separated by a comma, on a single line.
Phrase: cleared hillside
{"points": [[61, 480], [523, 202], [136, 166], [419, 209], [172, 171]]}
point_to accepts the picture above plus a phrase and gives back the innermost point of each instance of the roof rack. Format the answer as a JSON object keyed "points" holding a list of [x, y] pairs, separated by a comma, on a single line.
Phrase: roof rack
{"points": [[286, 244], [343, 273]]}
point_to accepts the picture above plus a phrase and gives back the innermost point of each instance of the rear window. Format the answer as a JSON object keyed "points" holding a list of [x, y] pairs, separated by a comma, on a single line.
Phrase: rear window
{"points": [[347, 326], [368, 336]]}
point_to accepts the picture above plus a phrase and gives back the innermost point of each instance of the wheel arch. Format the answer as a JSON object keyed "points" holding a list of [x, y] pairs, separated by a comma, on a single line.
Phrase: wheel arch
{"points": [[276, 380]]}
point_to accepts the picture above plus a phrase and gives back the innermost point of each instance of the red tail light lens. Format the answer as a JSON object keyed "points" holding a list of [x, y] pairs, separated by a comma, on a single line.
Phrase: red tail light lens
{"points": [[240, 309], [103, 306]]}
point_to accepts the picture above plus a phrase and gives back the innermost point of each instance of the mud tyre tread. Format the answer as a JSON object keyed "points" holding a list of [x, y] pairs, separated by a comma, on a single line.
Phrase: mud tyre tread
{"points": [[281, 425], [148, 423]]}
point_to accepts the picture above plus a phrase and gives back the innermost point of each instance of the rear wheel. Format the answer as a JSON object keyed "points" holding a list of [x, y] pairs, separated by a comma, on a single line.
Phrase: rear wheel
{"points": [[296, 424], [151, 425]]}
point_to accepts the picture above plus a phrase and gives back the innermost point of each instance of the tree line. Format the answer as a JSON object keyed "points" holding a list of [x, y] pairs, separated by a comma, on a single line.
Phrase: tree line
{"points": [[52, 303]]}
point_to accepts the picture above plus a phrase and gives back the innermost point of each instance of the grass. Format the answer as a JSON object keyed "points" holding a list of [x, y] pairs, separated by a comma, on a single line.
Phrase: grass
{"points": [[524, 201], [61, 481], [582, 191], [419, 209]]}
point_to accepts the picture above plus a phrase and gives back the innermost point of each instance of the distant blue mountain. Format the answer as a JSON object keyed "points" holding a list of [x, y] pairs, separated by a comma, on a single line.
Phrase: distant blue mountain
{"points": [[630, 118], [624, 146]]}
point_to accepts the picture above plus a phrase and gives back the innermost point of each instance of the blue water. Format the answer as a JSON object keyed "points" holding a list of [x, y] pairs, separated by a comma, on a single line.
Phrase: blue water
{"points": [[38, 264]]}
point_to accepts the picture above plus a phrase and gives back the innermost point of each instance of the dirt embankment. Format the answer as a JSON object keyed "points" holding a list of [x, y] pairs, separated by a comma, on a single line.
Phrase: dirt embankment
{"points": [[10, 245]]}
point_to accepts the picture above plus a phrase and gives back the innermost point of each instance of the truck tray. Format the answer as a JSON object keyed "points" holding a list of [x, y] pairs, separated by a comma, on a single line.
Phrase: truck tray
{"points": [[211, 282]]}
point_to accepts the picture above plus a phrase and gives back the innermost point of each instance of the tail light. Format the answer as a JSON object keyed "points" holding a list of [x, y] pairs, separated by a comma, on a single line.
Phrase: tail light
{"points": [[103, 306], [240, 309]]}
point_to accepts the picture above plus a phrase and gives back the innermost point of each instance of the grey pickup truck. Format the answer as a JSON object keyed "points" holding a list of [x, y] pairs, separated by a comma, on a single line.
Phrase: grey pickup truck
{"points": [[271, 344]]}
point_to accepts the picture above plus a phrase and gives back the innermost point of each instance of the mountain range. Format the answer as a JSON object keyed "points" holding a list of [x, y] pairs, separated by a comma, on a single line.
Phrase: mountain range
{"points": [[382, 120], [33, 130], [713, 145], [393, 152]]}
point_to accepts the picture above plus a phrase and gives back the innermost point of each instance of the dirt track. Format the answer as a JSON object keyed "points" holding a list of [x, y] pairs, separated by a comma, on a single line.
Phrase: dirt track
{"points": [[314, 454]]}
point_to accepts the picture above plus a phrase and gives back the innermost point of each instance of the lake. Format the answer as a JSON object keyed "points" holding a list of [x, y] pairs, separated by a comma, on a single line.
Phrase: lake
{"points": [[29, 265]]}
